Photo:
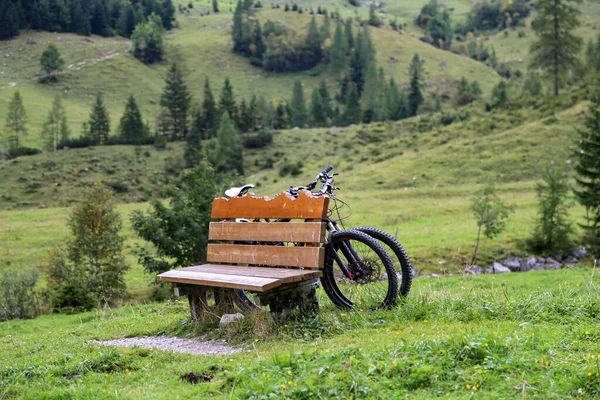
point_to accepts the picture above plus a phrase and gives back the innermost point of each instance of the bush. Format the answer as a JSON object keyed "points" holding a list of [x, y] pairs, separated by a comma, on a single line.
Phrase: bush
{"points": [[293, 169], [23, 151], [259, 140], [160, 142], [18, 298]]}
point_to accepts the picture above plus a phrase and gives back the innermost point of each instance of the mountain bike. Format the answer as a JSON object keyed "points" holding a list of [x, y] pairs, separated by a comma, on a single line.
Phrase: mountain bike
{"points": [[358, 272]]}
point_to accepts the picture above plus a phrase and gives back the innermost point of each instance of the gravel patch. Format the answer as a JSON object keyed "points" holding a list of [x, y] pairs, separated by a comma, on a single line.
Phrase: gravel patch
{"points": [[178, 345]]}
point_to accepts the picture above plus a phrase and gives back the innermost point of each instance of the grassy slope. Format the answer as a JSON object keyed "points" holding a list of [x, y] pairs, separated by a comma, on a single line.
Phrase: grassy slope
{"points": [[202, 45], [531, 335]]}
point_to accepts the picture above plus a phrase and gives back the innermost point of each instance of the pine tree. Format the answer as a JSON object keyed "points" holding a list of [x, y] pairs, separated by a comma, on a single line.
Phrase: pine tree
{"points": [[339, 49], [352, 113], [317, 109], [587, 168], [349, 34], [55, 129], [215, 6], [227, 101], [176, 98], [557, 49], [127, 20], [237, 31], [147, 40], [99, 121], [209, 112], [131, 126], [357, 70], [243, 116], [374, 19], [299, 116], [258, 43], [228, 155], [324, 92], [51, 62], [167, 14], [325, 28], [99, 20], [16, 121], [80, 20], [415, 97], [9, 20], [313, 44]]}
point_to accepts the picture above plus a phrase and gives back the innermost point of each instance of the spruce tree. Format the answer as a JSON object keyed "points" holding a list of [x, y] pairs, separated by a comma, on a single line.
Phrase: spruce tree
{"points": [[357, 70], [193, 141], [313, 44], [317, 109], [9, 20], [237, 31], [374, 19], [215, 6], [339, 49], [228, 155], [99, 121], [227, 101], [99, 20], [587, 168], [16, 121], [127, 20], [252, 111], [176, 98], [352, 113], [167, 14], [51, 62], [80, 20], [324, 93], [209, 112], [131, 126], [415, 97], [55, 129], [299, 116], [148, 40], [243, 116], [259, 45], [349, 33], [370, 95], [556, 49], [325, 28]]}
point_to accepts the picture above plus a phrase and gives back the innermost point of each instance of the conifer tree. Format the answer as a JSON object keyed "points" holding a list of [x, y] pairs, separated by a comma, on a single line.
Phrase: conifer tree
{"points": [[193, 141], [148, 39], [99, 20], [251, 118], [317, 109], [176, 98], [55, 129], [349, 34], [557, 48], [99, 121], [9, 20], [339, 50], [324, 92], [16, 121], [357, 70], [215, 6], [369, 95], [80, 21], [227, 101], [352, 113], [209, 112], [587, 168], [228, 155], [299, 116], [325, 28], [51, 62], [243, 116], [167, 14], [281, 120], [127, 20], [415, 97], [374, 19], [313, 44], [237, 31], [259, 46], [132, 126]]}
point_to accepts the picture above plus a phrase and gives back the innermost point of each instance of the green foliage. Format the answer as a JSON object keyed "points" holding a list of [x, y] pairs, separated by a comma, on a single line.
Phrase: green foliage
{"points": [[16, 121], [94, 265], [51, 62], [178, 229], [497, 14], [467, 92], [587, 168], [131, 126], [227, 102], [499, 95], [228, 155], [99, 122], [317, 109], [56, 127], [490, 213], [299, 117], [9, 19], [148, 40], [439, 29], [209, 113], [428, 11], [556, 49], [352, 112], [18, 297], [339, 60], [532, 84], [374, 19], [415, 97], [552, 229], [288, 168], [176, 99], [215, 6]]}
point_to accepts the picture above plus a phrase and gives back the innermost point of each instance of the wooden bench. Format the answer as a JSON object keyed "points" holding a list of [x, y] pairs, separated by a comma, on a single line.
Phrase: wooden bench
{"points": [[258, 257]]}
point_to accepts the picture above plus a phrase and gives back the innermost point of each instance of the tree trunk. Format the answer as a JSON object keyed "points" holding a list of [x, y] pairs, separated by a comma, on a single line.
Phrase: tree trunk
{"points": [[556, 35], [476, 246]]}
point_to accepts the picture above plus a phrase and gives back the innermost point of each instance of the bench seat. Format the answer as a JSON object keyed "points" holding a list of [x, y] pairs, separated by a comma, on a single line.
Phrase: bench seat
{"points": [[256, 279]]}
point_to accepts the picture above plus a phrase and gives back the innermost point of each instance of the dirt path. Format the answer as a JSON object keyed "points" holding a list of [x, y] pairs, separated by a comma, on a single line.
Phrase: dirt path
{"points": [[178, 345]]}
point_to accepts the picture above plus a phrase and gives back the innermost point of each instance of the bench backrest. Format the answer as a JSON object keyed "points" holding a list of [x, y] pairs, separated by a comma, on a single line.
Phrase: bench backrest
{"points": [[264, 247]]}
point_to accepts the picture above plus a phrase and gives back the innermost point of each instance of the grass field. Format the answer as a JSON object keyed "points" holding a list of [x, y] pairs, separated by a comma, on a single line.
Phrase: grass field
{"points": [[532, 335]]}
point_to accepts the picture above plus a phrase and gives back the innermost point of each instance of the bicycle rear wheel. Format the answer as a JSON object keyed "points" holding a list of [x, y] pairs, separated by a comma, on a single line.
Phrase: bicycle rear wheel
{"points": [[404, 268], [358, 272]]}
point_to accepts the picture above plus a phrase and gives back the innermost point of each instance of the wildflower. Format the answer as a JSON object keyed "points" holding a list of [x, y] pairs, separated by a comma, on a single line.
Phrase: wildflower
{"points": [[495, 333], [589, 374], [289, 382], [485, 359], [255, 340], [598, 357], [282, 385], [587, 333], [289, 372], [468, 386], [485, 344], [447, 394], [475, 387], [467, 347], [424, 320]]}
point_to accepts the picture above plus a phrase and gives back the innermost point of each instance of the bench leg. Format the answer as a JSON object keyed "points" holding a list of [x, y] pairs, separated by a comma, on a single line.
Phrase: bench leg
{"points": [[224, 300], [282, 301], [198, 302]]}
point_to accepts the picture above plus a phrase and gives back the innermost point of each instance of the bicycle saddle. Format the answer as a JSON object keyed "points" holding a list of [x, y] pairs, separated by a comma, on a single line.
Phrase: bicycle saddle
{"points": [[238, 191]]}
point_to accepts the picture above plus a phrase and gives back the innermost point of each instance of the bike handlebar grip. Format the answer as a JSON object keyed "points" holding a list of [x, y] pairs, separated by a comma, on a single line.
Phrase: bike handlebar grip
{"points": [[328, 169]]}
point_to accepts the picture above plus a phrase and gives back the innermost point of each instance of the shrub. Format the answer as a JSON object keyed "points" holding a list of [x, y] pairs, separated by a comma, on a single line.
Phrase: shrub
{"points": [[293, 169], [259, 140], [18, 298], [23, 151]]}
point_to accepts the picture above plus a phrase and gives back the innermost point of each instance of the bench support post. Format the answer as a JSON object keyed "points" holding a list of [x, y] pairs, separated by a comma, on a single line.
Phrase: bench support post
{"points": [[284, 300]]}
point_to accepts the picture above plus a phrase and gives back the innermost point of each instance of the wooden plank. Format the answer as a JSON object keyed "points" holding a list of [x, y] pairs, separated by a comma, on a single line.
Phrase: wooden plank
{"points": [[282, 206], [299, 232], [220, 280], [286, 275], [284, 256]]}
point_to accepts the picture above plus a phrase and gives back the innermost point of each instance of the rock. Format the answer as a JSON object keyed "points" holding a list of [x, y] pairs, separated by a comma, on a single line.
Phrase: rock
{"points": [[580, 253], [571, 260], [531, 261], [474, 270], [515, 264], [227, 319], [442, 262], [497, 268], [552, 264], [537, 267]]}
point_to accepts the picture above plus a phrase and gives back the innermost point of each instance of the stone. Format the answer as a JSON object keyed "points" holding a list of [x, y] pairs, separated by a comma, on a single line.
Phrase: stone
{"points": [[474, 270], [531, 261], [537, 267], [580, 253], [515, 264], [497, 268], [552, 264], [227, 319], [571, 260]]}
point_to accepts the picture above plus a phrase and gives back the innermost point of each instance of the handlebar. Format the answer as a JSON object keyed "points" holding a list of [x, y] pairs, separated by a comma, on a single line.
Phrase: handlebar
{"points": [[324, 178], [327, 170]]}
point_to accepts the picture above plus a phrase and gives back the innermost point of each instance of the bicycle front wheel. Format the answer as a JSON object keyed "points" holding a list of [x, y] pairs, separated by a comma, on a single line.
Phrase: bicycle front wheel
{"points": [[358, 272]]}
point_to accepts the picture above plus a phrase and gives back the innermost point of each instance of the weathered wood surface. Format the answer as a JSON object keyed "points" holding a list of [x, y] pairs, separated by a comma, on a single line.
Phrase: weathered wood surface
{"points": [[298, 232], [285, 256], [305, 206], [286, 275], [256, 284]]}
